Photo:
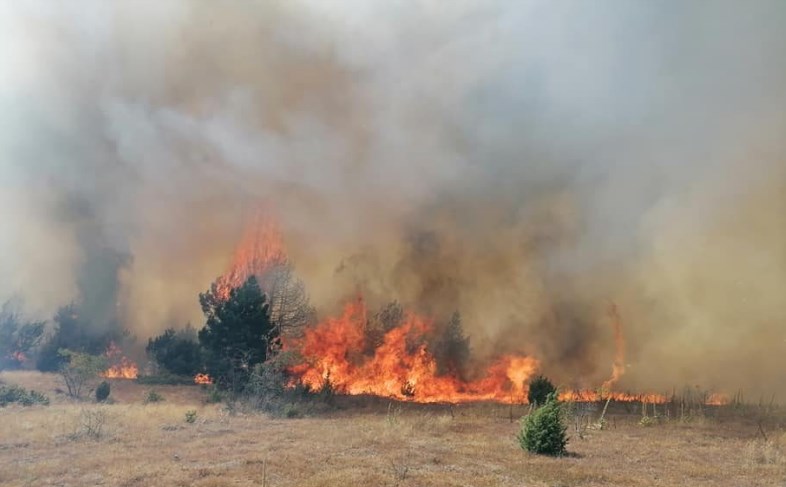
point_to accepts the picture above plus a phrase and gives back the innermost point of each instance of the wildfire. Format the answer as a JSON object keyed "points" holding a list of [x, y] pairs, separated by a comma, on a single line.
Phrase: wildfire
{"points": [[202, 379], [260, 248], [401, 367], [121, 367]]}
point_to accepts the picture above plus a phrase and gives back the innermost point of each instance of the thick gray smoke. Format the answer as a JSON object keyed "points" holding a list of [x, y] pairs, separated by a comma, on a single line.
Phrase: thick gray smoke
{"points": [[525, 162]]}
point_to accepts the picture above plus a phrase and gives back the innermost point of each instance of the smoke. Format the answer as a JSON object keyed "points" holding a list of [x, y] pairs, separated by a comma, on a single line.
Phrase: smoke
{"points": [[526, 163]]}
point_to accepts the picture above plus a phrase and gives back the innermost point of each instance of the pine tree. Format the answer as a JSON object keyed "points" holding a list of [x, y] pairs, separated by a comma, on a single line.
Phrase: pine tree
{"points": [[177, 351], [543, 431], [539, 390], [238, 333]]}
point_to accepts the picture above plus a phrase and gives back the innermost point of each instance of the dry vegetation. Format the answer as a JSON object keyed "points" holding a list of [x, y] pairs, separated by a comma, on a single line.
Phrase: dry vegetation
{"points": [[367, 442]]}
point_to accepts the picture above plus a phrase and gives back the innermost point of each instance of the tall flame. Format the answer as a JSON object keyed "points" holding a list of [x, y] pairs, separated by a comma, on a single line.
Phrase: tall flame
{"points": [[260, 249], [401, 367]]}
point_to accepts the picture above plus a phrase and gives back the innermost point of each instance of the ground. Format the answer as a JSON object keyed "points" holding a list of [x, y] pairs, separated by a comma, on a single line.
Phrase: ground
{"points": [[364, 443]]}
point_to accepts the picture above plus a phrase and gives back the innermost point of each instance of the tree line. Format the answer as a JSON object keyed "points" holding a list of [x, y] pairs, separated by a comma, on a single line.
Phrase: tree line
{"points": [[240, 332]]}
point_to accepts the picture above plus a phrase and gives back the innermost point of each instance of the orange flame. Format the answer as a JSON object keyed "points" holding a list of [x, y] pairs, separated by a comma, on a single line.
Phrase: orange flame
{"points": [[401, 367], [260, 249], [121, 367], [202, 379]]}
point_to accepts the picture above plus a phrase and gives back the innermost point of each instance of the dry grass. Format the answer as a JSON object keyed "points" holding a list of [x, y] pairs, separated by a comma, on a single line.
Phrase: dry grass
{"points": [[407, 445]]}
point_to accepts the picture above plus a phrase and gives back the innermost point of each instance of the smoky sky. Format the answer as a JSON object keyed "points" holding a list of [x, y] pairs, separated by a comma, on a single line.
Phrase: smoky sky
{"points": [[526, 163]]}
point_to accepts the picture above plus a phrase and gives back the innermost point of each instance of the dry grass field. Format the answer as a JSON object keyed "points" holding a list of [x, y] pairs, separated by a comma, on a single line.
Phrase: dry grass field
{"points": [[368, 443]]}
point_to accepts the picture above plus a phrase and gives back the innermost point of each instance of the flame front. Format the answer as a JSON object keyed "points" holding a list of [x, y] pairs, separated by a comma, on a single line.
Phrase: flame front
{"points": [[401, 367], [603, 395], [334, 351], [121, 367]]}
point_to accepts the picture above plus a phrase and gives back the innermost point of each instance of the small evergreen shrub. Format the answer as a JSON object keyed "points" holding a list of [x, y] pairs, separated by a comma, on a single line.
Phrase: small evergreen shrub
{"points": [[102, 391], [539, 390], [153, 396], [543, 431], [191, 416]]}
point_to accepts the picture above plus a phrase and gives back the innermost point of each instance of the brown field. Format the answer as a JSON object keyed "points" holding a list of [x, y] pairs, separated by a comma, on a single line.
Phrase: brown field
{"points": [[365, 443]]}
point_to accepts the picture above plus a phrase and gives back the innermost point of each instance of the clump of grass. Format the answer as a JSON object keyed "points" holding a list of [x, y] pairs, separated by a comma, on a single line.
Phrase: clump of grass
{"points": [[165, 379], [191, 416], [393, 415], [153, 396], [647, 421], [291, 411], [763, 452], [90, 424], [400, 470]]}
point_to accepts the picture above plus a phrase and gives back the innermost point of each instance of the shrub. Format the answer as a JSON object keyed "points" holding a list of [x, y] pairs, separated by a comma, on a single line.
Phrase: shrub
{"points": [[91, 424], [267, 385], [191, 416], [80, 370], [539, 390], [16, 394], [272, 388], [177, 352], [102, 391], [214, 396], [291, 411], [542, 431], [153, 396], [34, 397]]}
